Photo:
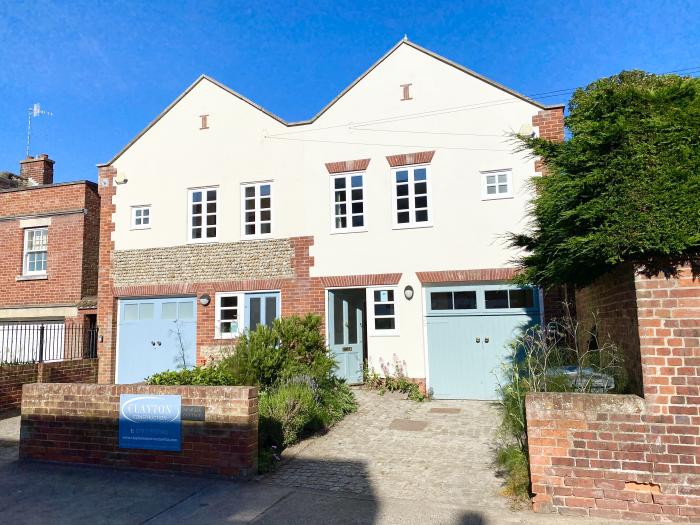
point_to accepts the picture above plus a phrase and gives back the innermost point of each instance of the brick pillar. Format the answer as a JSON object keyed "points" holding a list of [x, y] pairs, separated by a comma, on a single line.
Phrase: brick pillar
{"points": [[38, 169], [669, 341], [106, 303]]}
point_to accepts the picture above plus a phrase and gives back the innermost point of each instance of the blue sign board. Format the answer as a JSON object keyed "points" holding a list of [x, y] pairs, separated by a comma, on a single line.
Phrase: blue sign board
{"points": [[149, 422]]}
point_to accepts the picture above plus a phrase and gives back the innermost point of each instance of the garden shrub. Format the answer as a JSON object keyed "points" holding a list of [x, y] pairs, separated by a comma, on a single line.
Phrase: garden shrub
{"points": [[294, 371]]}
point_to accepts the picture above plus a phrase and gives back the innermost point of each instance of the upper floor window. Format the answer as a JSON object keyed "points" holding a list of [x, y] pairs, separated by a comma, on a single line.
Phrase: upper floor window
{"points": [[497, 184], [256, 208], [411, 197], [202, 214], [347, 192], [140, 217], [36, 241]]}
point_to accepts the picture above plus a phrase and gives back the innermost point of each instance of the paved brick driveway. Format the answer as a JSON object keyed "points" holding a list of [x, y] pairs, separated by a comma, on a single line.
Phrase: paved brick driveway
{"points": [[438, 451]]}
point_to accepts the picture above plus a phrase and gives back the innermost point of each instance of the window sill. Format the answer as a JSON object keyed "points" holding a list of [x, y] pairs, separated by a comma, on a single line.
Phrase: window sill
{"points": [[498, 198], [203, 241], [412, 226], [390, 333], [343, 232], [37, 277]]}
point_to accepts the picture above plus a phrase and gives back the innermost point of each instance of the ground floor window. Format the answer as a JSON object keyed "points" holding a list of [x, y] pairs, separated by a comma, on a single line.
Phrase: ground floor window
{"points": [[236, 312], [383, 311]]}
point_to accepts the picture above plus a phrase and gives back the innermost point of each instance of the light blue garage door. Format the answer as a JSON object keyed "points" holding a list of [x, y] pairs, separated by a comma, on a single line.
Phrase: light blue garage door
{"points": [[155, 334], [470, 329]]}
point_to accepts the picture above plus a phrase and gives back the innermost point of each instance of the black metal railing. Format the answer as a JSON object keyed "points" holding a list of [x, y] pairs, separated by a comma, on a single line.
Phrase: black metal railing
{"points": [[37, 342]]}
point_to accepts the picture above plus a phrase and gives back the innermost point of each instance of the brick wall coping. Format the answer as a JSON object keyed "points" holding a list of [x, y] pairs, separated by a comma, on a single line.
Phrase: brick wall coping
{"points": [[212, 392], [584, 403], [48, 186], [77, 211]]}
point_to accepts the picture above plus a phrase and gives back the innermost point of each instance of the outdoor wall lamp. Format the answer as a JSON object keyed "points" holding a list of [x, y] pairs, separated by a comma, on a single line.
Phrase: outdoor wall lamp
{"points": [[408, 292], [204, 299]]}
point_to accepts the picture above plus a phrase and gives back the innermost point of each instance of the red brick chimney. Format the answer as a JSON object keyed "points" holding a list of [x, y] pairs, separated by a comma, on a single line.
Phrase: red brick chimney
{"points": [[39, 169]]}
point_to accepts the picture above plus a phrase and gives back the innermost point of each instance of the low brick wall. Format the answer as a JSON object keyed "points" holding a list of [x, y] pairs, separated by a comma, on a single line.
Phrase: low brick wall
{"points": [[75, 371], [627, 456], [80, 424], [602, 455], [13, 377]]}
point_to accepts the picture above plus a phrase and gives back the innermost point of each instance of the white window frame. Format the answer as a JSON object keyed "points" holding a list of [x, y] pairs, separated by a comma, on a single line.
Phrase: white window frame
{"points": [[241, 315], [141, 208], [204, 214], [496, 196], [348, 175], [371, 330], [411, 198], [257, 210], [26, 252]]}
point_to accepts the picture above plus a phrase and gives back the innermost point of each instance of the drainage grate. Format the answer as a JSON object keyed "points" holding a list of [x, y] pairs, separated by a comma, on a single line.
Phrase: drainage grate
{"points": [[409, 425], [445, 410]]}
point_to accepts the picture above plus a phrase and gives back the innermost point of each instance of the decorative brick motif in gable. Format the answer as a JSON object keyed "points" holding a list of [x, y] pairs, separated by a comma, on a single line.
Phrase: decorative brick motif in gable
{"points": [[345, 166], [406, 159]]}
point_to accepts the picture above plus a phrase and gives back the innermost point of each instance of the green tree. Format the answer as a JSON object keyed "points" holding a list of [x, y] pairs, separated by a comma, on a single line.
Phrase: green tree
{"points": [[625, 187]]}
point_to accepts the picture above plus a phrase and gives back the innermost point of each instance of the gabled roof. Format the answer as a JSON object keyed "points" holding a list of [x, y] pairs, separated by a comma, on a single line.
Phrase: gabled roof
{"points": [[404, 41]]}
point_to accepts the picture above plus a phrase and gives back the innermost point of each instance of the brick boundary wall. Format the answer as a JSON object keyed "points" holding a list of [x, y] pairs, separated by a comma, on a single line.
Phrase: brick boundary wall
{"points": [[625, 456], [70, 423], [14, 377]]}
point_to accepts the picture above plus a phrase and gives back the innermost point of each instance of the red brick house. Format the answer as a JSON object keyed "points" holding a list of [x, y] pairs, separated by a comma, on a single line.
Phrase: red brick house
{"points": [[49, 237]]}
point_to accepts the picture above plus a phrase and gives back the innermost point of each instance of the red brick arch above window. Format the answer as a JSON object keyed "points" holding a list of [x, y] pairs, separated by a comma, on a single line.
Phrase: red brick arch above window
{"points": [[378, 279], [457, 276], [345, 166], [406, 159]]}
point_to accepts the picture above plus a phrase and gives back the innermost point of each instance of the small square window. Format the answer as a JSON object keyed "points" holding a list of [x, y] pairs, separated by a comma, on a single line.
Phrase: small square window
{"points": [[140, 217], [497, 185], [229, 315]]}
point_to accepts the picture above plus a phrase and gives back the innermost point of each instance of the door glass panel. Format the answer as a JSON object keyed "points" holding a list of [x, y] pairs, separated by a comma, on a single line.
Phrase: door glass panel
{"points": [[465, 300], [254, 313], [270, 310], [145, 311], [169, 311], [352, 323], [521, 298], [338, 320], [186, 311], [496, 298], [131, 312]]}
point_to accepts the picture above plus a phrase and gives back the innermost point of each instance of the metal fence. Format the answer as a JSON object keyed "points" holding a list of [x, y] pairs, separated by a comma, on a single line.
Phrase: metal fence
{"points": [[32, 342]]}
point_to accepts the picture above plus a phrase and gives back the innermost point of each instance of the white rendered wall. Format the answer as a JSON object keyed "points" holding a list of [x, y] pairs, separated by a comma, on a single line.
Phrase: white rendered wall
{"points": [[244, 144]]}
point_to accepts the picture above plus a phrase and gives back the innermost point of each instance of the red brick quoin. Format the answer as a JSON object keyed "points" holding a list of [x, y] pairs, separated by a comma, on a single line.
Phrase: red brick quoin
{"points": [[626, 456]]}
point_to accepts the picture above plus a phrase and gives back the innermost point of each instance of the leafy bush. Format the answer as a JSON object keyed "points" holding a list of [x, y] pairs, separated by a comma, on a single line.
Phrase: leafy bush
{"points": [[536, 364], [200, 375], [294, 370]]}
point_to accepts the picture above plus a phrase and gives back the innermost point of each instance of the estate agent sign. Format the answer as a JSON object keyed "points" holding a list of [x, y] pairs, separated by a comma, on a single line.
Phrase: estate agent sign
{"points": [[150, 422]]}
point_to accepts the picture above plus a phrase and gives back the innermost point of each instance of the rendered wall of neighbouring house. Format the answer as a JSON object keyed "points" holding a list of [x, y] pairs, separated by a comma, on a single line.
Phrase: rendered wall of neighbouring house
{"points": [[625, 456]]}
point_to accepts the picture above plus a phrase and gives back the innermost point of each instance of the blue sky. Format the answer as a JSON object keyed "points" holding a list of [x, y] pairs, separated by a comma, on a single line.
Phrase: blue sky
{"points": [[106, 69]]}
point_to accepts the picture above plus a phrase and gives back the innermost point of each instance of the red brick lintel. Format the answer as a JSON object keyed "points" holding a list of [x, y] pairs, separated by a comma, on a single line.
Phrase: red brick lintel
{"points": [[456, 276], [406, 159], [361, 280], [345, 166]]}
